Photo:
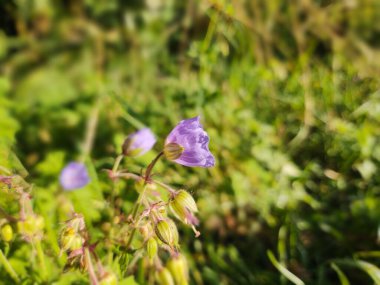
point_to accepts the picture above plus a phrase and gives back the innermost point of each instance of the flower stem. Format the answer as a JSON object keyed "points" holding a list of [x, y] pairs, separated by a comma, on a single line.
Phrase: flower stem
{"points": [[118, 160], [151, 165], [8, 267], [117, 163], [134, 214], [136, 208], [41, 257], [91, 271]]}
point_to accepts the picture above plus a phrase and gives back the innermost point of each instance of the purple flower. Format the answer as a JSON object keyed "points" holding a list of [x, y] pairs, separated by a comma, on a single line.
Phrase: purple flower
{"points": [[187, 144], [74, 176], [139, 143]]}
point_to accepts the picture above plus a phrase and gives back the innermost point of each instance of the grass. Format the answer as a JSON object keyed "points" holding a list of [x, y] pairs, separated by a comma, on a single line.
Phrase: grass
{"points": [[288, 93]]}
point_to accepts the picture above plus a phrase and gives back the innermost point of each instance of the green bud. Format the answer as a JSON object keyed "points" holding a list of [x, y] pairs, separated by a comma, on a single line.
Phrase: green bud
{"points": [[173, 151], [6, 232], [181, 204], [76, 243], [109, 279], [151, 247], [174, 231], [186, 200], [70, 241], [167, 232], [164, 277], [179, 270], [127, 150]]}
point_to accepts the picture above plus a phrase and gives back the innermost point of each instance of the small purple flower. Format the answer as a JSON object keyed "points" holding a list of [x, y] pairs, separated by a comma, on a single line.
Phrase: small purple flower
{"points": [[74, 176], [139, 143], [187, 144]]}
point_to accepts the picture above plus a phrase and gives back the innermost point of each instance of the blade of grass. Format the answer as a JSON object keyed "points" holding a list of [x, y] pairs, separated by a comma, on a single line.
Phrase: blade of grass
{"points": [[283, 270], [342, 277], [372, 270]]}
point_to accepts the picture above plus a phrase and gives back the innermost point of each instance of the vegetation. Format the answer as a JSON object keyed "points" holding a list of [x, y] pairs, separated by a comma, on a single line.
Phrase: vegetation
{"points": [[288, 92]]}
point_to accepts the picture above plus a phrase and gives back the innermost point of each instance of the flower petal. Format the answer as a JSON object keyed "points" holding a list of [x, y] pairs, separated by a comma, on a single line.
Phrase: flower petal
{"points": [[190, 135], [74, 176], [139, 142]]}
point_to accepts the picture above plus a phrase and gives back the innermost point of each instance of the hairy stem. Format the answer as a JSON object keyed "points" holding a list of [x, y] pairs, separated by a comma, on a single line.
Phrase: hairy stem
{"points": [[136, 208], [151, 165], [91, 271], [117, 163]]}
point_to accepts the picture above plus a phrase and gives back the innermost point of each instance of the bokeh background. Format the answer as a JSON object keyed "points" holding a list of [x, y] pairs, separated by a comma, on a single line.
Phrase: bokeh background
{"points": [[287, 90]]}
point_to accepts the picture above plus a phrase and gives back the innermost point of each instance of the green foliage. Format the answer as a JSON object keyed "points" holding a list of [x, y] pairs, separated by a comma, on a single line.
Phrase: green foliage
{"points": [[288, 91]]}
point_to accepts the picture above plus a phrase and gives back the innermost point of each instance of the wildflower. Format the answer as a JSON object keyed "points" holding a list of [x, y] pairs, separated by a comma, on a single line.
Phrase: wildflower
{"points": [[138, 143], [187, 144], [74, 176]]}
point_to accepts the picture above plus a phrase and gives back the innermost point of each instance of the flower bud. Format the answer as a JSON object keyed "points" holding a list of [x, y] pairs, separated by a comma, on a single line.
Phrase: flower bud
{"points": [[186, 200], [173, 151], [179, 270], [70, 240], [151, 247], [76, 243], [164, 277], [138, 143], [74, 176], [193, 140], [6, 232], [174, 231], [76, 223], [183, 205], [167, 232], [108, 279]]}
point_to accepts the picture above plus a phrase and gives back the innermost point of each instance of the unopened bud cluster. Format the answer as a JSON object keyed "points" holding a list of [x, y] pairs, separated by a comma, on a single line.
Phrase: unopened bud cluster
{"points": [[31, 227], [72, 240]]}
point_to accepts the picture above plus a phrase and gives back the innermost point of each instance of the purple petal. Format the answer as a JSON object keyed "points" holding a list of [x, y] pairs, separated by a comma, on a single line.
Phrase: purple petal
{"points": [[191, 136], [74, 176], [139, 142]]}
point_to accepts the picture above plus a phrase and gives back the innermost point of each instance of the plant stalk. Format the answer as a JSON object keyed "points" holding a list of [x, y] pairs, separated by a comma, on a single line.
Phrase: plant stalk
{"points": [[8, 267], [136, 208], [41, 257]]}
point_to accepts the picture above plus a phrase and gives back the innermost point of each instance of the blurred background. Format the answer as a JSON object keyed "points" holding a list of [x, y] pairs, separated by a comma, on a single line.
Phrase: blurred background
{"points": [[288, 91]]}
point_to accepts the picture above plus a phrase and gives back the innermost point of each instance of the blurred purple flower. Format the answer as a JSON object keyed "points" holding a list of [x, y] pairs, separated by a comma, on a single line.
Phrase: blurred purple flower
{"points": [[139, 143], [74, 176], [187, 144]]}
